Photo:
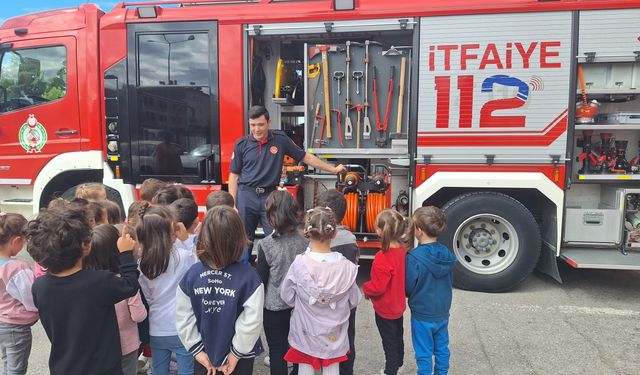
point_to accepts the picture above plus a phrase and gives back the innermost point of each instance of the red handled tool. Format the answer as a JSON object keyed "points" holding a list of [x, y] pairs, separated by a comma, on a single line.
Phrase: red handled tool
{"points": [[382, 127]]}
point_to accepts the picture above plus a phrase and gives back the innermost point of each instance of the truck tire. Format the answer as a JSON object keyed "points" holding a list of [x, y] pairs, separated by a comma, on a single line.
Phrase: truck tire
{"points": [[495, 238]]}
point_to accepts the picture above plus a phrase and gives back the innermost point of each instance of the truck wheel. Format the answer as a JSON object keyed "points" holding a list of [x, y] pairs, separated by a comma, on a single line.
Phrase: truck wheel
{"points": [[495, 238]]}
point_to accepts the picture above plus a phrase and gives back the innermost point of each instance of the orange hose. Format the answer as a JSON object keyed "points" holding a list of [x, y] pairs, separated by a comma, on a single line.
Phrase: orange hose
{"points": [[351, 216], [376, 202]]}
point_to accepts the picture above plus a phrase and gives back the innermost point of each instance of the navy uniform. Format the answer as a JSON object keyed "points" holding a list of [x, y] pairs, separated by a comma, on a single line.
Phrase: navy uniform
{"points": [[259, 166]]}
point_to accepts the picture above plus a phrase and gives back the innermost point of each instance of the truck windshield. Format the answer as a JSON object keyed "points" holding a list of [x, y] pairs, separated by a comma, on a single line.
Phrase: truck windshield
{"points": [[29, 77]]}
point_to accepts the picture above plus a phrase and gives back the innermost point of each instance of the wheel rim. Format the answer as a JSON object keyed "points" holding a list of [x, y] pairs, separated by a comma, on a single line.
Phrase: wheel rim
{"points": [[486, 244]]}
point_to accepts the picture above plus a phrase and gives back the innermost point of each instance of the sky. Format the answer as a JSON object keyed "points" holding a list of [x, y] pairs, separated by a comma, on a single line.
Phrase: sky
{"points": [[12, 8]]}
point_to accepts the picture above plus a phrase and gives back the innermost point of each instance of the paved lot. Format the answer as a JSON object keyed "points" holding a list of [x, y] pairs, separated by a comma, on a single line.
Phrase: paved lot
{"points": [[590, 324]]}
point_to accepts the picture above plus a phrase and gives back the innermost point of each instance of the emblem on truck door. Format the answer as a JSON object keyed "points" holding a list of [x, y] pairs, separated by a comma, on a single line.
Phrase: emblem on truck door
{"points": [[32, 135]]}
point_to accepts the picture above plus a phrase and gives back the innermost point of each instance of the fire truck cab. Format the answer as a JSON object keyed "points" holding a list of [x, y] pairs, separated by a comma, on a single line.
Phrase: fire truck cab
{"points": [[483, 108]]}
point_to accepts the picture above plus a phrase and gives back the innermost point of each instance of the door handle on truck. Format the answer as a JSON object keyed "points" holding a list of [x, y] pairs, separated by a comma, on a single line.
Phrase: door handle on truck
{"points": [[66, 132]]}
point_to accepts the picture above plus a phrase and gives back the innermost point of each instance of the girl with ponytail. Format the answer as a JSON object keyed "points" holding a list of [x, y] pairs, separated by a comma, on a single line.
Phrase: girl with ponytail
{"points": [[163, 263], [386, 287], [321, 287]]}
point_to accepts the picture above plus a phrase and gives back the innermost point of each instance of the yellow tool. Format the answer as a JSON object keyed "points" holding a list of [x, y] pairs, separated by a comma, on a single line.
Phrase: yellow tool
{"points": [[279, 71], [313, 70]]}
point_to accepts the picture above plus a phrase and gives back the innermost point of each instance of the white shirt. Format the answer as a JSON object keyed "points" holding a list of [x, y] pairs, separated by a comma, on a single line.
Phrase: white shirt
{"points": [[161, 291]]}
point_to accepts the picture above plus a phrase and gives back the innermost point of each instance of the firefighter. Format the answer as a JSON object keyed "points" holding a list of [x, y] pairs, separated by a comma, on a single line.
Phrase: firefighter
{"points": [[256, 165]]}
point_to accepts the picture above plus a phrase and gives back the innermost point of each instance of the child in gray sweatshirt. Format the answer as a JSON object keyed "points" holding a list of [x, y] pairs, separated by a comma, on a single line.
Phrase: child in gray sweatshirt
{"points": [[276, 252]]}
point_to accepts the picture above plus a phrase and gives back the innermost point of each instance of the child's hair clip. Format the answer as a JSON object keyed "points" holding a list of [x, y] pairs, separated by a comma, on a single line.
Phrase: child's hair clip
{"points": [[309, 227], [330, 227], [328, 208]]}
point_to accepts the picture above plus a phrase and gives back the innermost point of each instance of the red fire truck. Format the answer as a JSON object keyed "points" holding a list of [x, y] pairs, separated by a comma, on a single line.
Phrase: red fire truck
{"points": [[519, 118]]}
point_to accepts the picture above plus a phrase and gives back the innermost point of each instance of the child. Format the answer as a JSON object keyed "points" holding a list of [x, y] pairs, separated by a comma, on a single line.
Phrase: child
{"points": [[92, 192], [219, 198], [163, 264], [98, 212], [220, 301], [150, 187], [275, 254], [104, 256], [93, 211], [184, 192], [223, 198], [429, 276], [167, 195], [144, 361], [17, 311], [114, 215], [321, 287], [57, 202], [186, 212], [385, 289], [344, 243], [90, 211], [132, 212], [76, 305]]}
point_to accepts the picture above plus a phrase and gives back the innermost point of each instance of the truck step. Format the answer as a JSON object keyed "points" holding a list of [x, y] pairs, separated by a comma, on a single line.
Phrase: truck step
{"points": [[606, 259], [17, 202]]}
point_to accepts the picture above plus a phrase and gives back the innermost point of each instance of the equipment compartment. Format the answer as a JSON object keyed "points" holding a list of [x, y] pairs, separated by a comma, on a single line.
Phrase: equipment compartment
{"points": [[598, 221], [299, 72], [309, 72]]}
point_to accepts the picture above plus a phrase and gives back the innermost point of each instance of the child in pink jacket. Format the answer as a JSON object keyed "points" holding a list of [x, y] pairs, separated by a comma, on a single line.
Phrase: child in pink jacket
{"points": [[17, 310], [321, 287]]}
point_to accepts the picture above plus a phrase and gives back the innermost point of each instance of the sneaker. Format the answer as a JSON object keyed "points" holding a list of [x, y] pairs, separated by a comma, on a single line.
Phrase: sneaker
{"points": [[144, 364], [173, 368], [267, 361], [400, 371]]}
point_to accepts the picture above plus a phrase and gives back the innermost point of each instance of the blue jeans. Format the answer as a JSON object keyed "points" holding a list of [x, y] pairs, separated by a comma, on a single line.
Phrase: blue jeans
{"points": [[15, 347], [161, 349], [431, 339], [251, 209]]}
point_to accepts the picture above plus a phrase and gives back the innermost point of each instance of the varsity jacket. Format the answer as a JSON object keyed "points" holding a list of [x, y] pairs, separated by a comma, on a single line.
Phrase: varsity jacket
{"points": [[220, 311]]}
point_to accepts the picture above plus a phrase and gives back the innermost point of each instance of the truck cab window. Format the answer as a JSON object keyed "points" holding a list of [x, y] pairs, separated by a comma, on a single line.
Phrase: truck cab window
{"points": [[30, 77]]}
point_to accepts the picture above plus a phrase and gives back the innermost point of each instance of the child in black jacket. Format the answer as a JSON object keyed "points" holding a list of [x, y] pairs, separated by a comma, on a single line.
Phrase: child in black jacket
{"points": [[76, 306]]}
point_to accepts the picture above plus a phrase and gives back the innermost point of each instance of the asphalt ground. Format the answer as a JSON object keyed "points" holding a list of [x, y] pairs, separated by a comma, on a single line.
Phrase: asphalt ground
{"points": [[589, 324]]}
